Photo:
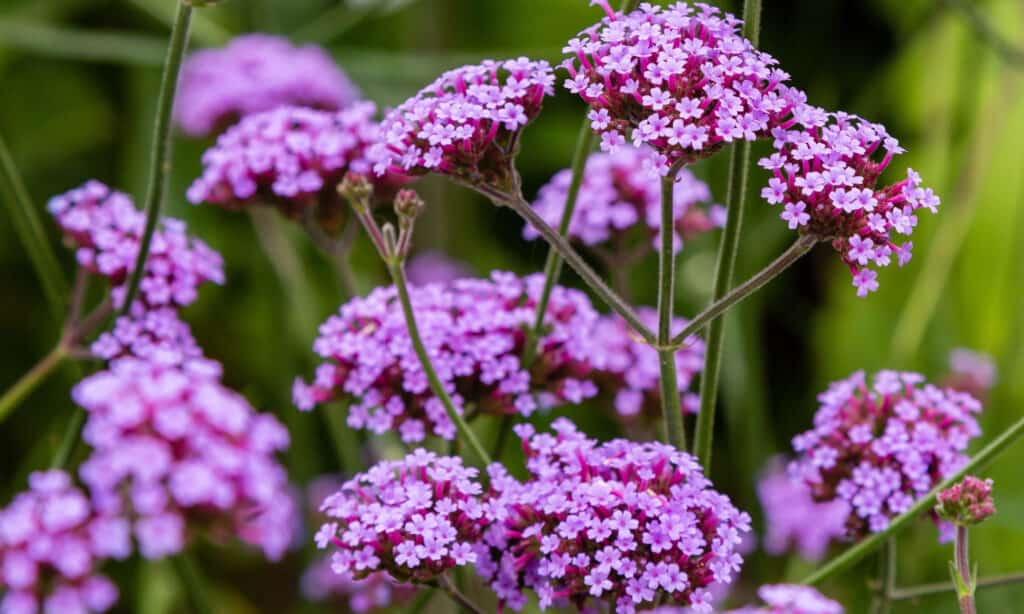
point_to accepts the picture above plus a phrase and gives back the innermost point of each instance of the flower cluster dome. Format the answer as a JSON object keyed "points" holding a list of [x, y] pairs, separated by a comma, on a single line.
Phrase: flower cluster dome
{"points": [[106, 229], [254, 73], [156, 335], [882, 445], [793, 519], [623, 523], [475, 332], [175, 448], [377, 592], [52, 543], [679, 79]]}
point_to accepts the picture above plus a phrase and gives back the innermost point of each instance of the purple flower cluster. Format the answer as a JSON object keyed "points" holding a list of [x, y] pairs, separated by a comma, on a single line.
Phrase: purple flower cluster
{"points": [[971, 372], [680, 79], [414, 518], [621, 522], [791, 599], [628, 367], [106, 229], [622, 191], [826, 174], [256, 73], [156, 336], [474, 331], [467, 123], [881, 447], [290, 157], [794, 520], [52, 541], [174, 448], [375, 592]]}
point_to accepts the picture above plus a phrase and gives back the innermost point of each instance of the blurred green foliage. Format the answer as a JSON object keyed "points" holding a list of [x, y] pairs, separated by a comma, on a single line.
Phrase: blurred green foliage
{"points": [[77, 85]]}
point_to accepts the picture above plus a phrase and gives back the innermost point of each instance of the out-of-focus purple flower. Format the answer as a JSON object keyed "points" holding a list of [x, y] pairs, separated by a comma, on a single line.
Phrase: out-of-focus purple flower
{"points": [[292, 158], [680, 79], [414, 519], [52, 543], [177, 450], [967, 502], [627, 368], [433, 267], [793, 520], [825, 172], [971, 372], [375, 592], [157, 336], [474, 331], [466, 124], [882, 447], [106, 230], [254, 73], [622, 191], [620, 523], [791, 599]]}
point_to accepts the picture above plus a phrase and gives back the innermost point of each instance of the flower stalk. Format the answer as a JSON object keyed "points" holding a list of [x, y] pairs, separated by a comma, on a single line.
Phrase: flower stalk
{"points": [[739, 166], [192, 582], [672, 412], [960, 569]]}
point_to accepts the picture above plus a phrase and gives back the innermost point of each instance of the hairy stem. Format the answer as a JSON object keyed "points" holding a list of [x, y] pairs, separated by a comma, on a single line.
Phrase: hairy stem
{"points": [[926, 590], [671, 408], [397, 270], [735, 197], [963, 569], [193, 583], [876, 540], [553, 264], [31, 380], [160, 163], [457, 596]]}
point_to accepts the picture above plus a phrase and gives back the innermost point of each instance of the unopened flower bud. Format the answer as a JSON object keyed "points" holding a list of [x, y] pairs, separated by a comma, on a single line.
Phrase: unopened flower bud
{"points": [[966, 503], [357, 190], [408, 205]]}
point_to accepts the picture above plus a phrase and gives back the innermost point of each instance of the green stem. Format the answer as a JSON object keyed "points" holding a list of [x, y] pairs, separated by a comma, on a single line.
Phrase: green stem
{"points": [[672, 412], [735, 196], [397, 270], [31, 380], [553, 264], [457, 596], [876, 540], [926, 590], [160, 163], [882, 601], [206, 31], [503, 432], [69, 441], [794, 252], [963, 569], [29, 229], [193, 583]]}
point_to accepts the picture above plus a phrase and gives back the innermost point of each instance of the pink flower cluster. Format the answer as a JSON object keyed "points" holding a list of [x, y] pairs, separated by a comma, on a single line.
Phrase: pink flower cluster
{"points": [[156, 336], [826, 172], [290, 157], [679, 78], [106, 229], [880, 447], [467, 123], [967, 502], [414, 518], [474, 331], [52, 542], [375, 592], [794, 520], [622, 191], [622, 523], [256, 73], [791, 599], [172, 447], [971, 372], [628, 368]]}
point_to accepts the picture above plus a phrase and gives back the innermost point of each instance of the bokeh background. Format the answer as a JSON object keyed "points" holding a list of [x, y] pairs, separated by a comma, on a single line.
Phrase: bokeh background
{"points": [[78, 80]]}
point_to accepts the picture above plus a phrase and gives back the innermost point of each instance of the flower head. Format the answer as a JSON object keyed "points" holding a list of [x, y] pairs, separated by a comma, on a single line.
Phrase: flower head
{"points": [[621, 523], [375, 592], [680, 79], [627, 368], [791, 599], [967, 502], [256, 73], [52, 542], [157, 336], [793, 519], [432, 267], [413, 518], [466, 124], [293, 158], [971, 372], [178, 450], [106, 229], [882, 446], [474, 331], [825, 172], [620, 192]]}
